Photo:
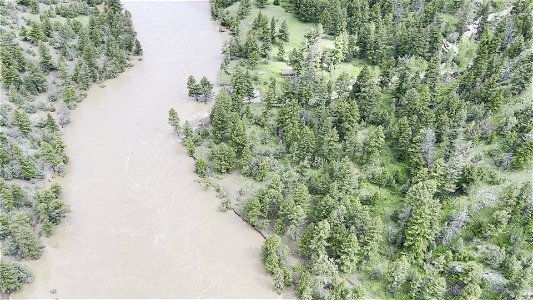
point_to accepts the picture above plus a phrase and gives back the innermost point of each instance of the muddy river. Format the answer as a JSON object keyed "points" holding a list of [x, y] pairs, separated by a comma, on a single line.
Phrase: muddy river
{"points": [[140, 226]]}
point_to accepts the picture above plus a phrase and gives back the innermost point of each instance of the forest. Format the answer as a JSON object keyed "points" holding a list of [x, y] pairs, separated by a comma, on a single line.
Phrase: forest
{"points": [[382, 148], [51, 52]]}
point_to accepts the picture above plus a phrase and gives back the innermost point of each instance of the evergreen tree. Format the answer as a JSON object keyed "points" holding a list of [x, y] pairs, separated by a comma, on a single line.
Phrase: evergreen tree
{"points": [[242, 88], [205, 89], [174, 121], [424, 215], [69, 95], [283, 32], [281, 52], [262, 3], [223, 157], [340, 53], [272, 32], [201, 167], [314, 240], [22, 121], [398, 272], [220, 115], [45, 58], [82, 75], [35, 82], [374, 145], [113, 6], [137, 50], [193, 88], [47, 152], [28, 168], [345, 246], [244, 8], [12, 276], [237, 134], [35, 34], [306, 286]]}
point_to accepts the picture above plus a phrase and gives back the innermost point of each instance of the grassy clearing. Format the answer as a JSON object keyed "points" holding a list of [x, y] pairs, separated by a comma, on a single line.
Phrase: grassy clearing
{"points": [[297, 29], [267, 69], [467, 53]]}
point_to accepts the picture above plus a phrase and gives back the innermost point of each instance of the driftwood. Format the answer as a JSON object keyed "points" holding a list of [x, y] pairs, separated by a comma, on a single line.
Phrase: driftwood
{"points": [[242, 218]]}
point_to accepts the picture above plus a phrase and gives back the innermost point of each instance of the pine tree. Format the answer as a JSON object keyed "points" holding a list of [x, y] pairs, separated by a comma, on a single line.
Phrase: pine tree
{"points": [[22, 121], [244, 8], [281, 52], [306, 285], [398, 272], [424, 215], [8, 201], [223, 157], [283, 33], [246, 161], [242, 87], [193, 88], [69, 95], [374, 144], [262, 3], [345, 246], [114, 5], [220, 115], [404, 136], [137, 50], [272, 32], [174, 121], [35, 82], [10, 76], [35, 34], [47, 152], [253, 58], [187, 130], [237, 134], [28, 168], [12, 276], [205, 89], [45, 58], [266, 47], [340, 53], [63, 71], [314, 240], [83, 76]]}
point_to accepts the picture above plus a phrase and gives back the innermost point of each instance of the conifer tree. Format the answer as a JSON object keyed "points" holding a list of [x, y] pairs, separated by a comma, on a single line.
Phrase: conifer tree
{"points": [[283, 33], [281, 52], [424, 215], [83, 75], [137, 50], [220, 115], [262, 3], [45, 58], [223, 157], [345, 246], [205, 88], [22, 121], [237, 134], [35, 82], [244, 8], [193, 88], [28, 168], [69, 95], [174, 121], [374, 145]]}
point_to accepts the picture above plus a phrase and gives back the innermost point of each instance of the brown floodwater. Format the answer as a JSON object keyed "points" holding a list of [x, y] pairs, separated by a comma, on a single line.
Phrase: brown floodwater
{"points": [[140, 227]]}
